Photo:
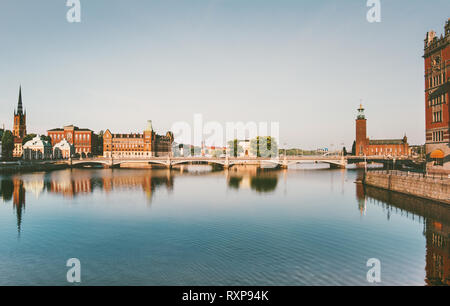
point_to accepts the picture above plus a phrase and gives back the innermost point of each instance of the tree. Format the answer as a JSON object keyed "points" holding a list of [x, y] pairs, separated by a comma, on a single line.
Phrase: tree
{"points": [[7, 144], [344, 151], [28, 138], [234, 148], [354, 148], [264, 147], [46, 138]]}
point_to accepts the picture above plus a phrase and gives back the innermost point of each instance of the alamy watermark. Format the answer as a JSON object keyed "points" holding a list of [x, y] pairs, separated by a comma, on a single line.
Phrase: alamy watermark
{"points": [[374, 273], [374, 13], [74, 273], [74, 13]]}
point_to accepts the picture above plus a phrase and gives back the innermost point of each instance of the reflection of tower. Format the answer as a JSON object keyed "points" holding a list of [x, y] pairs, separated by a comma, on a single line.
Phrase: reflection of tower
{"points": [[18, 200], [438, 253], [361, 197], [361, 132]]}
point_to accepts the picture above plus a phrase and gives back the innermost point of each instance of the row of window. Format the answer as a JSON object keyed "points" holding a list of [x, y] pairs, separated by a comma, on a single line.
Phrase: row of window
{"points": [[388, 150], [442, 99], [436, 80], [438, 136], [437, 116], [85, 137]]}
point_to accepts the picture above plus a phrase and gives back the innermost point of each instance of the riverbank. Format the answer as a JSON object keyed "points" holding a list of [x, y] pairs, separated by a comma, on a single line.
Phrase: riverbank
{"points": [[436, 188], [13, 167]]}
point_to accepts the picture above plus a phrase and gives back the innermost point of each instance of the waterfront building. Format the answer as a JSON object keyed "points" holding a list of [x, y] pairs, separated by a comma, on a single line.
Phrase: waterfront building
{"points": [[246, 152], [37, 149], [85, 141], [19, 126], [147, 144], [378, 147], [63, 150], [437, 111]]}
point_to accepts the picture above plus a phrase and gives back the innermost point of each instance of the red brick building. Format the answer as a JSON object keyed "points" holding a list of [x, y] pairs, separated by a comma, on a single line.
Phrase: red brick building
{"points": [[85, 141], [437, 87], [379, 147], [147, 144]]}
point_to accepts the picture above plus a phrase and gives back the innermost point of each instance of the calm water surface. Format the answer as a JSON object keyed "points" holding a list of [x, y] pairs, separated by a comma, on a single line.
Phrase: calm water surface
{"points": [[240, 227]]}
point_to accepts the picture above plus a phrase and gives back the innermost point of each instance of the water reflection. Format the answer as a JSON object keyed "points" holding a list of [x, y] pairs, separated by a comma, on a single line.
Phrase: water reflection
{"points": [[258, 180], [434, 217]]}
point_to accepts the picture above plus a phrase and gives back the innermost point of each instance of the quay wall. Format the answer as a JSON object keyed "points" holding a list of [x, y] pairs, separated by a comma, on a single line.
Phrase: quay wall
{"points": [[436, 188]]}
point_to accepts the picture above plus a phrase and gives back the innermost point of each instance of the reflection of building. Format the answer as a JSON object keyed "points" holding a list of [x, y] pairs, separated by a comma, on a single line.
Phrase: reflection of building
{"points": [[148, 144], [18, 200], [63, 150], [19, 127], [438, 253], [36, 149], [436, 219], [437, 110], [385, 147], [84, 141]]}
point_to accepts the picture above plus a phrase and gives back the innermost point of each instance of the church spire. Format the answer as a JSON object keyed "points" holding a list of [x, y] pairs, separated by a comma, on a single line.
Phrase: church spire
{"points": [[19, 105]]}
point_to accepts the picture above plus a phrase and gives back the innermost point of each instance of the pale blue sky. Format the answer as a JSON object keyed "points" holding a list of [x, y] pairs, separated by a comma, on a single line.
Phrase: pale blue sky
{"points": [[305, 64]]}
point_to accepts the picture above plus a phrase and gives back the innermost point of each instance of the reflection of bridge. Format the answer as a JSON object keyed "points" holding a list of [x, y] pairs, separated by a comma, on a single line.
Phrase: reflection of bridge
{"points": [[226, 162]]}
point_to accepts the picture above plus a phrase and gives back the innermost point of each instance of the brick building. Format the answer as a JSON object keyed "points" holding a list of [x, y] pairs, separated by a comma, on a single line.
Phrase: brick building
{"points": [[379, 147], [85, 141], [437, 86], [147, 144]]}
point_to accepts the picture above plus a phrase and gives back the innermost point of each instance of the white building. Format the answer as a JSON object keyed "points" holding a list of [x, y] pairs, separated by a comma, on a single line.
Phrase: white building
{"points": [[63, 150], [36, 149]]}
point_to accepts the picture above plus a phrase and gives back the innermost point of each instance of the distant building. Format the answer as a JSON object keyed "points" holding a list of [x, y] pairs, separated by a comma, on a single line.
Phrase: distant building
{"points": [[85, 141], [246, 149], [147, 144], [20, 126], [63, 150], [437, 111], [380, 147], [37, 149]]}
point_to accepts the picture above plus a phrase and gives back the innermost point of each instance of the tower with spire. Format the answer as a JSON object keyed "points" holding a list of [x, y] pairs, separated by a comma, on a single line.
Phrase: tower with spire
{"points": [[20, 119]]}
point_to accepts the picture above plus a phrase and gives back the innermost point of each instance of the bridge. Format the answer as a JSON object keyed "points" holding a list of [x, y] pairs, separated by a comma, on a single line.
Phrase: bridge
{"points": [[226, 162]]}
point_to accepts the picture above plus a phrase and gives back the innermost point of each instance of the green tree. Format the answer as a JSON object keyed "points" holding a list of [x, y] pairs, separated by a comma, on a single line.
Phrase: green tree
{"points": [[344, 151], [234, 148], [7, 144], [46, 138], [354, 148], [264, 147], [28, 138]]}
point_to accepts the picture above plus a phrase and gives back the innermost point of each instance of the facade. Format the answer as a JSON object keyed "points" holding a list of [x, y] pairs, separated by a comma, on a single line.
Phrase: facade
{"points": [[37, 149], [437, 87], [85, 141], [63, 150], [19, 127], [381, 147], [147, 144]]}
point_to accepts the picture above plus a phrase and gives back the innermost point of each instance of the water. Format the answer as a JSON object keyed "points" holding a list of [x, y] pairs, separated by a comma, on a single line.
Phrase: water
{"points": [[242, 227]]}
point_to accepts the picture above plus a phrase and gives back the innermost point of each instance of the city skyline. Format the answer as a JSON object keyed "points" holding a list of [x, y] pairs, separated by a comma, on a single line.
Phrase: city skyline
{"points": [[226, 60]]}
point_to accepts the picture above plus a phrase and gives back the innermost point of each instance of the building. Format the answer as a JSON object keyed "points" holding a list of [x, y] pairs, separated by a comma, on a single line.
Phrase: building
{"points": [[63, 150], [20, 126], [85, 141], [380, 147], [437, 86], [147, 144], [37, 149]]}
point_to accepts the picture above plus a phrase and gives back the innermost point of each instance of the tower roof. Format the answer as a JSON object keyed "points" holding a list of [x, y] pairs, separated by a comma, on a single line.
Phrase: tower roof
{"points": [[19, 104]]}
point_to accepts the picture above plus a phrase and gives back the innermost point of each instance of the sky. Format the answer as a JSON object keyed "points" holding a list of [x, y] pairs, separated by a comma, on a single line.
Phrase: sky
{"points": [[304, 64]]}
